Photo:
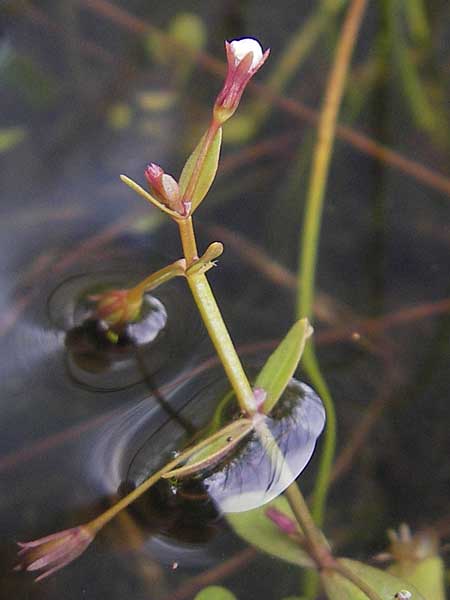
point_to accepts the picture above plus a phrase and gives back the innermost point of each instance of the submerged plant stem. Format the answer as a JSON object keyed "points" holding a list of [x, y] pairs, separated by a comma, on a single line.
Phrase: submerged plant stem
{"points": [[309, 247]]}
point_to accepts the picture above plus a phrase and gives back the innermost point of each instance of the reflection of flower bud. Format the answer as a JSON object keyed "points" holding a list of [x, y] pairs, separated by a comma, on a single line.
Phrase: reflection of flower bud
{"points": [[117, 307], [244, 58], [53, 552], [165, 188]]}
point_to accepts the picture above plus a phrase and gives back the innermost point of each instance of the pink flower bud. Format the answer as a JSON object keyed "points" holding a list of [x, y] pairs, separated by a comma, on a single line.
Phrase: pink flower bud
{"points": [[117, 307], [244, 57], [282, 521], [51, 553], [165, 188]]}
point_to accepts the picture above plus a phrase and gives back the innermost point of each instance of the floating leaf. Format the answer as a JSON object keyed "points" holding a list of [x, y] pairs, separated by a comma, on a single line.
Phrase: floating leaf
{"points": [[384, 584], [272, 456], [215, 592], [208, 171], [281, 365], [257, 529], [222, 443]]}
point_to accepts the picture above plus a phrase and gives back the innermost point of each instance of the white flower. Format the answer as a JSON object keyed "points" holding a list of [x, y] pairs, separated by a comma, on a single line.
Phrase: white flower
{"points": [[241, 48], [244, 58]]}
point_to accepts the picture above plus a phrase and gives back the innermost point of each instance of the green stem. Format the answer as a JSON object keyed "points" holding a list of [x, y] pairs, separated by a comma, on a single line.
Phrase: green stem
{"points": [[207, 306], [309, 362], [310, 242], [356, 580], [316, 544], [156, 279], [188, 242]]}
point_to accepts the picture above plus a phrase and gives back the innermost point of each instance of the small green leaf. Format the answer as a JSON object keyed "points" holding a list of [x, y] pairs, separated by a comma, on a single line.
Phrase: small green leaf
{"points": [[426, 575], [385, 585], [220, 445], [215, 592], [255, 527], [281, 365], [139, 190], [208, 169], [207, 260]]}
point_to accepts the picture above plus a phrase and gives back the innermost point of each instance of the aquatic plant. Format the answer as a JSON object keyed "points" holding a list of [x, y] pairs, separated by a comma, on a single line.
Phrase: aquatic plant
{"points": [[258, 403]]}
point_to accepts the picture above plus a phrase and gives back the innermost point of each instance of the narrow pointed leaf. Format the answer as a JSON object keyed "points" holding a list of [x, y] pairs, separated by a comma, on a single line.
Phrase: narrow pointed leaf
{"points": [[281, 365], [385, 585], [221, 444], [255, 527], [208, 171], [139, 190]]}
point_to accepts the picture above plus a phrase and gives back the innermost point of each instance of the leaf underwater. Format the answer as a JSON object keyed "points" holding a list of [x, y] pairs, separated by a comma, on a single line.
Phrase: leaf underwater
{"points": [[384, 584], [208, 171], [282, 363], [257, 529]]}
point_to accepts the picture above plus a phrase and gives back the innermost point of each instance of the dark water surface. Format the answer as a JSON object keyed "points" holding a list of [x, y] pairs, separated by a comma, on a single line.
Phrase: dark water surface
{"points": [[85, 98]]}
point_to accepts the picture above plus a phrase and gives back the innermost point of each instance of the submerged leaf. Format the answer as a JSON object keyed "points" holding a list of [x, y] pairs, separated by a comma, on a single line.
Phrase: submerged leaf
{"points": [[257, 529], [208, 172], [281, 365], [215, 592], [385, 585]]}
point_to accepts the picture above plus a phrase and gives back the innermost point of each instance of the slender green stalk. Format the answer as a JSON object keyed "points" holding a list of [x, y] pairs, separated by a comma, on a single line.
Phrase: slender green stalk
{"points": [[207, 306], [296, 51], [315, 540], [188, 242], [357, 581], [311, 365], [311, 231], [309, 249], [156, 279]]}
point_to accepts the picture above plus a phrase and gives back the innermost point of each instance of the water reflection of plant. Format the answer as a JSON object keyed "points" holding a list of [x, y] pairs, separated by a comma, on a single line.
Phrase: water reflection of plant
{"points": [[341, 577]]}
